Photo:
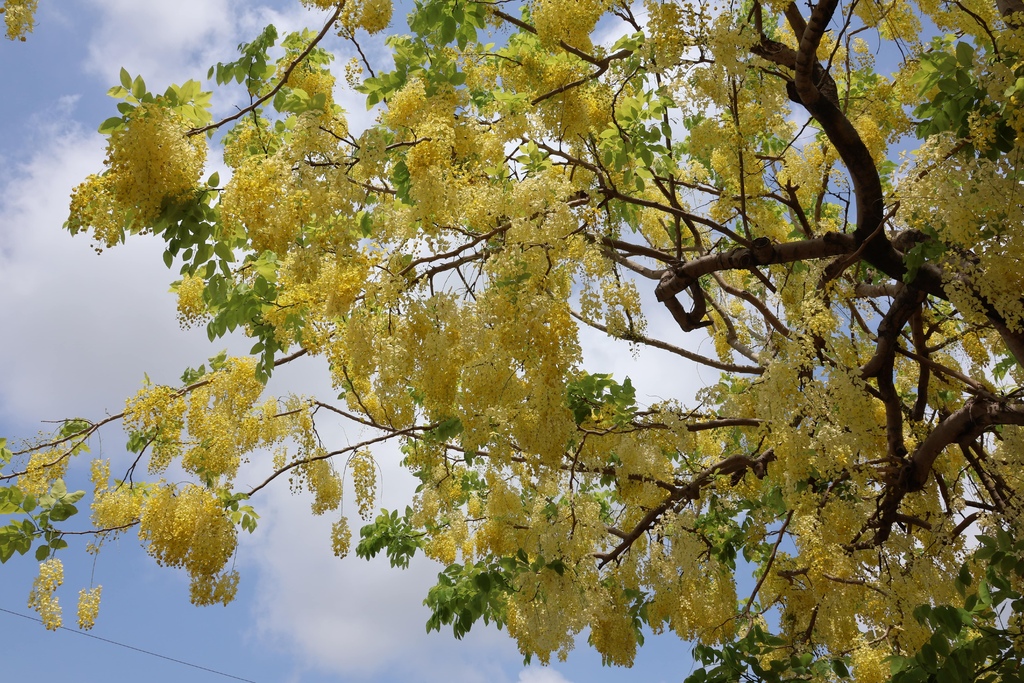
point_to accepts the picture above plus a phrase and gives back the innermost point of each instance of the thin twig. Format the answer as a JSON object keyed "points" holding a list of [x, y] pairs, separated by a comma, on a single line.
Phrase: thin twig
{"points": [[280, 84], [771, 560]]}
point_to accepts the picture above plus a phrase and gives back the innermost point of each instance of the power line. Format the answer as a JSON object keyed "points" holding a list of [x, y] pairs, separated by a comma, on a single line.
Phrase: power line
{"points": [[131, 647]]}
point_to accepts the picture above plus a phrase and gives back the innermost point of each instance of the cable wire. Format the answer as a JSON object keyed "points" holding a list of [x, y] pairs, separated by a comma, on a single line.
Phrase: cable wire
{"points": [[131, 647]]}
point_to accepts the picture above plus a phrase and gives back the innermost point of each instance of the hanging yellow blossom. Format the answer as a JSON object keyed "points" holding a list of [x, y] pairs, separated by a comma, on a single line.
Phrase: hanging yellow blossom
{"points": [[42, 598]]}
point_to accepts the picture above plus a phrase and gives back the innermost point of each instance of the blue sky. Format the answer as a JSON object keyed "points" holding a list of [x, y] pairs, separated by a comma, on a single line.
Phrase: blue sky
{"points": [[79, 331]]}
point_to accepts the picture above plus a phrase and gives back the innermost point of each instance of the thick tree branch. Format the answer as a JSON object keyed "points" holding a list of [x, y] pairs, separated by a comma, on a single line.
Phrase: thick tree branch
{"points": [[807, 56], [963, 426], [762, 253]]}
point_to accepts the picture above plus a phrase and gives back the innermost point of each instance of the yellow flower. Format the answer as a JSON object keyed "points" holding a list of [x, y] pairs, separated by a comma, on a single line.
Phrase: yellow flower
{"points": [[19, 15], [341, 537], [42, 599], [153, 161], [373, 16], [191, 307], [88, 607], [364, 478], [189, 529]]}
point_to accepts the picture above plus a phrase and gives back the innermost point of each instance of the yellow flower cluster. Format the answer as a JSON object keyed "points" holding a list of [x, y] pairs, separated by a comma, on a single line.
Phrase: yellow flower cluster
{"points": [[191, 307], [210, 590], [313, 80], [894, 19], [42, 469], [341, 537], [694, 593], [665, 29], [1009, 464], [364, 479], [189, 528], [571, 22], [42, 598], [262, 202], [405, 108], [353, 72], [373, 16], [88, 607], [19, 15], [611, 629], [579, 111], [152, 161], [157, 411], [979, 15], [545, 613], [448, 538], [251, 136], [869, 665], [435, 150], [224, 422], [323, 482], [112, 507], [623, 313], [94, 207]]}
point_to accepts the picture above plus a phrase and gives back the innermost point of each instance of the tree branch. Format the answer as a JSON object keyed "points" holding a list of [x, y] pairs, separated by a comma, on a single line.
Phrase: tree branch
{"points": [[280, 83]]}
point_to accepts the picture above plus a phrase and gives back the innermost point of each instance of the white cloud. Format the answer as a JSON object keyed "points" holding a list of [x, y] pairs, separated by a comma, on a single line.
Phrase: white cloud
{"points": [[351, 617], [165, 40], [357, 618], [539, 674], [171, 41], [80, 330]]}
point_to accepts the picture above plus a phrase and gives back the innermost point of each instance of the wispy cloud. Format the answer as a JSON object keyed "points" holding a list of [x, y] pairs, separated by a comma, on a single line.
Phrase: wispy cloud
{"points": [[539, 674], [80, 329]]}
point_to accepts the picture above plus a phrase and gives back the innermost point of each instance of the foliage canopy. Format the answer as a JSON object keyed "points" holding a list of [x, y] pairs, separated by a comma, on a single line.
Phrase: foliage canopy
{"points": [[831, 192]]}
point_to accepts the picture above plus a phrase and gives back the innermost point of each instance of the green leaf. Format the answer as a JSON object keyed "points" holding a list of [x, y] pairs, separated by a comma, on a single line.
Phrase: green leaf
{"points": [[448, 27], [110, 125], [446, 430], [928, 657], [42, 552], [126, 79], [840, 668], [138, 88], [965, 54], [965, 575], [984, 596], [61, 512], [949, 86]]}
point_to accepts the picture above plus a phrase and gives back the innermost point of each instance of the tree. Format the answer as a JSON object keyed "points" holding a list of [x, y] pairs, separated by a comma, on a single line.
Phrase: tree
{"points": [[526, 178]]}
